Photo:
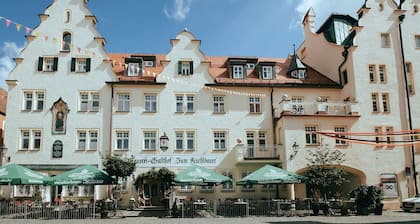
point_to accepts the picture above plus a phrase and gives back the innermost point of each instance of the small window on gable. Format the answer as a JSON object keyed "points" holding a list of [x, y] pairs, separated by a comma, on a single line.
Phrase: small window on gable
{"points": [[47, 64], [66, 42], [133, 66], [67, 16], [385, 40], [185, 67]]}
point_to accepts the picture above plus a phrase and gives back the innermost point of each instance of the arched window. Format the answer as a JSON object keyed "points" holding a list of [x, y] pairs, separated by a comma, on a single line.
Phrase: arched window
{"points": [[67, 16], [66, 42]]}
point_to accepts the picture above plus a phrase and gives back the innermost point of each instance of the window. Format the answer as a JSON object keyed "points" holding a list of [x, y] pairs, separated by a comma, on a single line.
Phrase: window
{"points": [[218, 104], [150, 103], [87, 140], [67, 16], [372, 73], [185, 68], [378, 138], [238, 71], [250, 66], [385, 40], [385, 102], [47, 64], [311, 135], [89, 101], [417, 40], [247, 187], [375, 107], [339, 137], [229, 185], [148, 64], [185, 188], [66, 42], [262, 141], [250, 141], [253, 137], [31, 104], [267, 72], [409, 70], [133, 69], [189, 104], [184, 140], [149, 140], [123, 102], [382, 73], [179, 141], [30, 139], [80, 65], [219, 139], [254, 105], [297, 106], [122, 140]]}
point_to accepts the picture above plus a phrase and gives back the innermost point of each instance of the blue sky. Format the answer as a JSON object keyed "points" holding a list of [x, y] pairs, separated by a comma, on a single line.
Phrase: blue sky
{"points": [[262, 28]]}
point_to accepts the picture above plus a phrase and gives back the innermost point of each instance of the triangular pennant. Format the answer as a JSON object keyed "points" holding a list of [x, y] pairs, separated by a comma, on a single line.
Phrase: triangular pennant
{"points": [[8, 23], [18, 26]]}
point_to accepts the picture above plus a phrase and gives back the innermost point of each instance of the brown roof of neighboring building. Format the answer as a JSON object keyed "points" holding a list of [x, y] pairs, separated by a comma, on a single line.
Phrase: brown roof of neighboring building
{"points": [[219, 69], [3, 101]]}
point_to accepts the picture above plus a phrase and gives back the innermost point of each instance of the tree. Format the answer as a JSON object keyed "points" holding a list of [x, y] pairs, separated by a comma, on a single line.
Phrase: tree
{"points": [[324, 176], [163, 175], [119, 167]]}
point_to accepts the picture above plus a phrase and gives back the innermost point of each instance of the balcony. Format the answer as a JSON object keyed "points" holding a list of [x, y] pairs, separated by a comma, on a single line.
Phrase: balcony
{"points": [[255, 153], [287, 107]]}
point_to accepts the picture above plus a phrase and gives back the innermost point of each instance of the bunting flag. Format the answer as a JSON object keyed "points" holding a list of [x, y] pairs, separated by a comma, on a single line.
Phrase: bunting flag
{"points": [[18, 26], [27, 30], [8, 23]]}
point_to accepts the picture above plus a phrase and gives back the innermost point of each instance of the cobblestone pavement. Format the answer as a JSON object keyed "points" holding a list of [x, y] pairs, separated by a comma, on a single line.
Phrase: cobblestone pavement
{"points": [[387, 217]]}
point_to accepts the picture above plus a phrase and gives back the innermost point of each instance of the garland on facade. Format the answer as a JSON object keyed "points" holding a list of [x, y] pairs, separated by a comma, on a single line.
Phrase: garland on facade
{"points": [[379, 138]]}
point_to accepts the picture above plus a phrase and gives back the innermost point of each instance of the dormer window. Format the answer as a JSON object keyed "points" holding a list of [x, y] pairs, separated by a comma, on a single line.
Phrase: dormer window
{"points": [[267, 72], [238, 71], [133, 66], [66, 42], [250, 66], [148, 64], [297, 69], [185, 68]]}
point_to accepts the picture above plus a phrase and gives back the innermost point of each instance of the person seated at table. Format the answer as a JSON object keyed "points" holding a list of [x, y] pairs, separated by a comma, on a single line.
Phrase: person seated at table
{"points": [[57, 200]]}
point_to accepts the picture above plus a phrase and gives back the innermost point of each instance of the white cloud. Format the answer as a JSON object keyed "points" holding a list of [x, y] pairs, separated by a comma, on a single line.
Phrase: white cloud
{"points": [[9, 50], [323, 9], [180, 10]]}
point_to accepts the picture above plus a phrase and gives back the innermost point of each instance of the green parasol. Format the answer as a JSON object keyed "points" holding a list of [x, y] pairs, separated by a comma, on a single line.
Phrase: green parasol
{"points": [[198, 175], [14, 174], [84, 175], [271, 175]]}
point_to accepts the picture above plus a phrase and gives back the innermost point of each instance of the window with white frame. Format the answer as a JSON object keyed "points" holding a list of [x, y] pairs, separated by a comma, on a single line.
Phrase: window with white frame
{"points": [[250, 141], [410, 75], [190, 140], [30, 139], [148, 64], [254, 104], [250, 66], [340, 130], [262, 140], [89, 101], [385, 40], [385, 102], [81, 65], [184, 140], [33, 100], [267, 72], [150, 103], [229, 185], [375, 106], [47, 64], [133, 69], [389, 136], [87, 139], [185, 67], [311, 136], [238, 71], [219, 139], [150, 139], [382, 73], [187, 106], [122, 140], [218, 104], [123, 104], [372, 73], [297, 105], [179, 140]]}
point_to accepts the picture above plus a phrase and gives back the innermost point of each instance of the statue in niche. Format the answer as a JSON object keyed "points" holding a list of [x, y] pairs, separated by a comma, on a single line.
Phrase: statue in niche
{"points": [[59, 111]]}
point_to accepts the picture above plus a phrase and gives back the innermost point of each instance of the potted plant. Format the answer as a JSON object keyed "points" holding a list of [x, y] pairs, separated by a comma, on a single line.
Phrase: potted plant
{"points": [[366, 198], [379, 205]]}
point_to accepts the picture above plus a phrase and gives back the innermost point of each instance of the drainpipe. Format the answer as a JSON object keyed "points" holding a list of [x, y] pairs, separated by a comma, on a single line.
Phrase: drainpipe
{"points": [[274, 121], [110, 120], [407, 94]]}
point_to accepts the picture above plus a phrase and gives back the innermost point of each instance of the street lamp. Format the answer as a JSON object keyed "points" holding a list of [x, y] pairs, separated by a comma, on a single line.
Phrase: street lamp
{"points": [[164, 140], [294, 151]]}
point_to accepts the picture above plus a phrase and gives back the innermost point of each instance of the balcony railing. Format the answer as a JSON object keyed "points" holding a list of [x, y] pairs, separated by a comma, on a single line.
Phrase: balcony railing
{"points": [[317, 108], [260, 152]]}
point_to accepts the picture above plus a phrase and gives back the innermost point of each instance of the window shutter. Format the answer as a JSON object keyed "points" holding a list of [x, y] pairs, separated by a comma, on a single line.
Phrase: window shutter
{"points": [[88, 64], [191, 67], [55, 66], [40, 63], [179, 67], [73, 65]]}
